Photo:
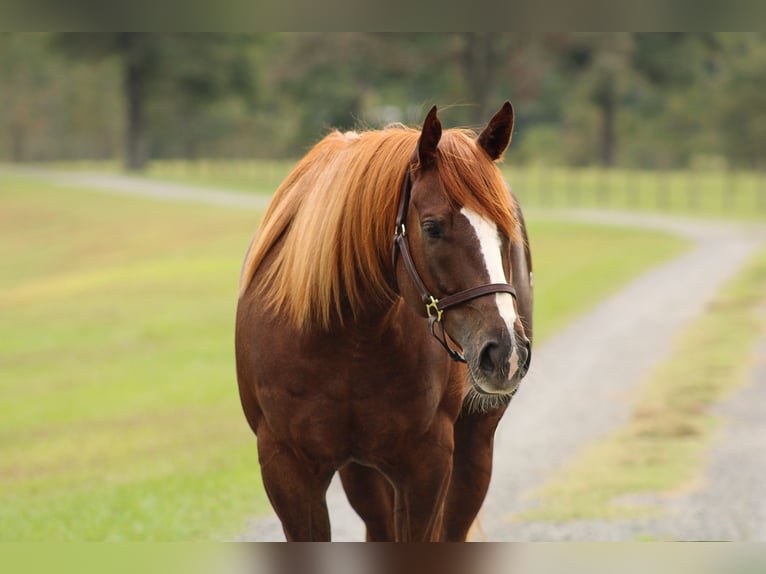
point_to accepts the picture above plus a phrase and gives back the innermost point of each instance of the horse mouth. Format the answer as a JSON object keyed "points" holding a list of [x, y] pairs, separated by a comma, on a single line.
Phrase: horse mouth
{"points": [[479, 400]]}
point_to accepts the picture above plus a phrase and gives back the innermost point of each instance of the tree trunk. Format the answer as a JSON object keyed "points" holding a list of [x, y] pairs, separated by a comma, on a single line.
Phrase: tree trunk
{"points": [[608, 139], [134, 85], [135, 144], [479, 61]]}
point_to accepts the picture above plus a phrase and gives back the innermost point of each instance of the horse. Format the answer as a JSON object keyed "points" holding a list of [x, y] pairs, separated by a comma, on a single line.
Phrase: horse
{"points": [[382, 327]]}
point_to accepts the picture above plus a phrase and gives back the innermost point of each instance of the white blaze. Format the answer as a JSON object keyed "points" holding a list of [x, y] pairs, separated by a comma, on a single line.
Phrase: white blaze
{"points": [[491, 246]]}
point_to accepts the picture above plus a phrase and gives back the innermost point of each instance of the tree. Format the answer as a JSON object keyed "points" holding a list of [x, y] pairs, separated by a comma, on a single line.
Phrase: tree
{"points": [[194, 68], [20, 92], [599, 66], [648, 100], [617, 71], [741, 99], [341, 80], [52, 108]]}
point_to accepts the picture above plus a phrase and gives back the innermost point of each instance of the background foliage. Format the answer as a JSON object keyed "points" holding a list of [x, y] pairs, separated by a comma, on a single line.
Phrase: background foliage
{"points": [[659, 100]]}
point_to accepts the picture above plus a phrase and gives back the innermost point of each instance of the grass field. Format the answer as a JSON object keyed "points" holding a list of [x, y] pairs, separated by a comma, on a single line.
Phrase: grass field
{"points": [[662, 448], [119, 417]]}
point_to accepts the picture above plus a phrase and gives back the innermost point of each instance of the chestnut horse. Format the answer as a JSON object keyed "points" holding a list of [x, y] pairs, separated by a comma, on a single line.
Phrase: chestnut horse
{"points": [[392, 370]]}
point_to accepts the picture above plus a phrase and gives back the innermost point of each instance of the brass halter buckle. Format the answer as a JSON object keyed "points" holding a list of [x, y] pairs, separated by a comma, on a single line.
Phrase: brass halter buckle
{"points": [[433, 305]]}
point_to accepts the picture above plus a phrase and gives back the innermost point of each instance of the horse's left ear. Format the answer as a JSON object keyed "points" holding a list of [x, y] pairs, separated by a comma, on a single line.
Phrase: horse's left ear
{"points": [[494, 139], [429, 139]]}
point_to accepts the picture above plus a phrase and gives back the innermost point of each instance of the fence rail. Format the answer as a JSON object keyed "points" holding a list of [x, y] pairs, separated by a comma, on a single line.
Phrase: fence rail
{"points": [[728, 193], [711, 192]]}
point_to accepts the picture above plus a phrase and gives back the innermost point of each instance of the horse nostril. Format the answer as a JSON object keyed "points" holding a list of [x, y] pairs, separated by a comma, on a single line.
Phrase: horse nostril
{"points": [[490, 357], [525, 356]]}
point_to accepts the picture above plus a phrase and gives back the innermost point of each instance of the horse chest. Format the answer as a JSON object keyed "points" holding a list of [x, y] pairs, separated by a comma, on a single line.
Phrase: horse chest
{"points": [[364, 409], [391, 401]]}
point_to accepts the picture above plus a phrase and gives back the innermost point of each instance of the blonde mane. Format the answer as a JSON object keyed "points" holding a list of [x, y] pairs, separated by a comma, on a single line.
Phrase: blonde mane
{"points": [[333, 217]]}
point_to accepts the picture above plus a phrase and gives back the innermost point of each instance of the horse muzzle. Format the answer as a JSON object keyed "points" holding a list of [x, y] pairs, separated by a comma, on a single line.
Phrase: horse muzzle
{"points": [[499, 367]]}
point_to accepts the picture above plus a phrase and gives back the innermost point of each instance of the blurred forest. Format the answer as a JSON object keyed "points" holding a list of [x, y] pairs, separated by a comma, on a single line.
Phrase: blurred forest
{"points": [[637, 100]]}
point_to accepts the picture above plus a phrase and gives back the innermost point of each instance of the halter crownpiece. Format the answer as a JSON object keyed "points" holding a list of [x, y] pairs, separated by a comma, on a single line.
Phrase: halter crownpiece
{"points": [[435, 307]]}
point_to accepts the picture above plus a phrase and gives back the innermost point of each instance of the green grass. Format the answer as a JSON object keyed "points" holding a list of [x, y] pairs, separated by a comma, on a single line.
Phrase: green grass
{"points": [[120, 418], [119, 415], [662, 447]]}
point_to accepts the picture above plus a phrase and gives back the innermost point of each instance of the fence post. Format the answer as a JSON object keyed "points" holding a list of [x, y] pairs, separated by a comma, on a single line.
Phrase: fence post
{"points": [[692, 190], [632, 188], [544, 186], [520, 185], [662, 189], [730, 189], [760, 186], [572, 187], [601, 184]]}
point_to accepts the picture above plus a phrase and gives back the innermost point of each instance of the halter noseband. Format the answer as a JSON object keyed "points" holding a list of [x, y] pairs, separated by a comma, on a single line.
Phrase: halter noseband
{"points": [[434, 307]]}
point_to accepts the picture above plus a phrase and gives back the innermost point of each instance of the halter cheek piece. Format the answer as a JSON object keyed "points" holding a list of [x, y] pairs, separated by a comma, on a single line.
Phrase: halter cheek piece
{"points": [[435, 307]]}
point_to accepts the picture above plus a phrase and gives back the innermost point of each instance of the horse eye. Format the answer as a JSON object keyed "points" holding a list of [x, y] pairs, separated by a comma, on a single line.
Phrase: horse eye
{"points": [[432, 228]]}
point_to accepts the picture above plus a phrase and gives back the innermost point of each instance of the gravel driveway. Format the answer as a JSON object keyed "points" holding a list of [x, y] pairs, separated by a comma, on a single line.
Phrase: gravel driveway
{"points": [[581, 384], [582, 389]]}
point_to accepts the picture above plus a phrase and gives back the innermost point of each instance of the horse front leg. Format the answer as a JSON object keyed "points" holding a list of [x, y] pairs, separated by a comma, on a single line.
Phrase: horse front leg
{"points": [[372, 497], [474, 440], [421, 478], [296, 490]]}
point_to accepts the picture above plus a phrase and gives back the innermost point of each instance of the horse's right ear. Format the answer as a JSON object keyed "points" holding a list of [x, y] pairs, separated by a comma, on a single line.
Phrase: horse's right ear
{"points": [[496, 137], [429, 139]]}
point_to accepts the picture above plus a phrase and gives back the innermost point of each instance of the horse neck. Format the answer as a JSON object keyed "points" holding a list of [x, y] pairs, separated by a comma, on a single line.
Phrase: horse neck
{"points": [[375, 320]]}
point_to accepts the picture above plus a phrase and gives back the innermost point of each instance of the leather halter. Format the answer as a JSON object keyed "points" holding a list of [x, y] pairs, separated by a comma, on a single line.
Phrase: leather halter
{"points": [[434, 307]]}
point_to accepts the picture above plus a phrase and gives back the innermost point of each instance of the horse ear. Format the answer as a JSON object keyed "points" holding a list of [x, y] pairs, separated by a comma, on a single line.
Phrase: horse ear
{"points": [[494, 139], [429, 139]]}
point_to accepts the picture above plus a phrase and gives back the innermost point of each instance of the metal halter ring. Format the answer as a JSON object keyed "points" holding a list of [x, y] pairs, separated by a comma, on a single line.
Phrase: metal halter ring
{"points": [[433, 304]]}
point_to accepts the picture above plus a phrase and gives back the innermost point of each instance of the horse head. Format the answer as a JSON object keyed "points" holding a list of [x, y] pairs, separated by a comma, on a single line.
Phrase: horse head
{"points": [[453, 250]]}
